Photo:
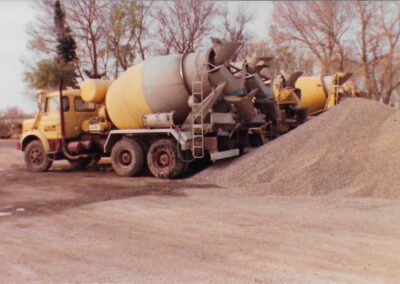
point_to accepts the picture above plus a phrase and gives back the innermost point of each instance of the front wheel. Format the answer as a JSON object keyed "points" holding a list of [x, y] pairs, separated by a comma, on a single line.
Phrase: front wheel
{"points": [[127, 157], [36, 159], [163, 160]]}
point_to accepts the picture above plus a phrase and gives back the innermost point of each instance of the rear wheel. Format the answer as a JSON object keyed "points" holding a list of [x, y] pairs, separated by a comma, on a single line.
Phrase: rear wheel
{"points": [[127, 157], [36, 159], [163, 160]]}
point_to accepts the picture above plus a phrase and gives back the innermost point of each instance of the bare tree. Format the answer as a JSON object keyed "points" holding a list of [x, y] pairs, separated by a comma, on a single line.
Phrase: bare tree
{"points": [[183, 24], [282, 58], [14, 113], [366, 12], [390, 26], [120, 34], [319, 26], [379, 48], [43, 32], [87, 20], [235, 28], [125, 31], [142, 16]]}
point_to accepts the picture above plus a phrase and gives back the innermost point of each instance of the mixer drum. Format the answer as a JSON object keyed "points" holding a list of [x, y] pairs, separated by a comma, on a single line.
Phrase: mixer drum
{"points": [[154, 86]]}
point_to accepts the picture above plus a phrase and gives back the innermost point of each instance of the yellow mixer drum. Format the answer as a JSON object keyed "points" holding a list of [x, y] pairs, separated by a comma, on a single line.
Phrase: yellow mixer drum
{"points": [[313, 93], [153, 86]]}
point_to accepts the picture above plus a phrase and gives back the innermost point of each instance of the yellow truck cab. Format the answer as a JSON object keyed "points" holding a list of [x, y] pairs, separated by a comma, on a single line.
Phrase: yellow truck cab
{"points": [[42, 137]]}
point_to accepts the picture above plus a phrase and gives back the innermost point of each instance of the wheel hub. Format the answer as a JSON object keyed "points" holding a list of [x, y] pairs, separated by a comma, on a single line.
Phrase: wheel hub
{"points": [[36, 156], [125, 158], [164, 159]]}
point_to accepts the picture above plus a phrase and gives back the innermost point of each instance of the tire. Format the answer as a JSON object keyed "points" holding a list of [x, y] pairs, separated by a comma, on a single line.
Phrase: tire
{"points": [[127, 157], [163, 160], [36, 159]]}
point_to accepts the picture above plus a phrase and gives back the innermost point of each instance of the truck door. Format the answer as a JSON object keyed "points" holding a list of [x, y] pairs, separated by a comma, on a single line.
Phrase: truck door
{"points": [[50, 120], [78, 112]]}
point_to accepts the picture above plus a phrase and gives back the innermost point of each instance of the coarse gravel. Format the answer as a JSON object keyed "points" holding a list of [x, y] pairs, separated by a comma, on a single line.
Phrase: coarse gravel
{"points": [[351, 150]]}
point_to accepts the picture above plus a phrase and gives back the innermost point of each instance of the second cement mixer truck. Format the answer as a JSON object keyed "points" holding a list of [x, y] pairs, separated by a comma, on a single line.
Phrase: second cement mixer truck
{"points": [[164, 113]]}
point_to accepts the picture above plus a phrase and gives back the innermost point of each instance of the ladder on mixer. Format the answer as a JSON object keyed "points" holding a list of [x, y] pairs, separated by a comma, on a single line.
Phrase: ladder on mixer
{"points": [[197, 113], [333, 94]]}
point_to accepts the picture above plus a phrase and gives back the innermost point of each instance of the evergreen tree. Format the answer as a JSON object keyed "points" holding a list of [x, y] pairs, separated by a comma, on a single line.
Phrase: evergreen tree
{"points": [[66, 47], [48, 74]]}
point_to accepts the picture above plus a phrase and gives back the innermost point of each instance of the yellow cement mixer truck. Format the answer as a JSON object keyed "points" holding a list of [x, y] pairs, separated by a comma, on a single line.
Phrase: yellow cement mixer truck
{"points": [[164, 112], [300, 97]]}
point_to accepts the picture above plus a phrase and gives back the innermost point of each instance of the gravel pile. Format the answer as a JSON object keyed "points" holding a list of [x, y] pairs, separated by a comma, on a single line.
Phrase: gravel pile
{"points": [[351, 150]]}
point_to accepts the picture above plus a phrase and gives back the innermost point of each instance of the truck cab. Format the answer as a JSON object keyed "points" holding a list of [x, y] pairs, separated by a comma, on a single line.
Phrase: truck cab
{"points": [[41, 138]]}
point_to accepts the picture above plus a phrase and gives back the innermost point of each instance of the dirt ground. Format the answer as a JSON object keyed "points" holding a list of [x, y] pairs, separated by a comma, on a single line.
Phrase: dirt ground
{"points": [[92, 226]]}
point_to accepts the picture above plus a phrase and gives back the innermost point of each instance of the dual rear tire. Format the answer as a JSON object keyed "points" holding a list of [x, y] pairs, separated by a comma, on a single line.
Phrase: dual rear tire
{"points": [[128, 158], [163, 159]]}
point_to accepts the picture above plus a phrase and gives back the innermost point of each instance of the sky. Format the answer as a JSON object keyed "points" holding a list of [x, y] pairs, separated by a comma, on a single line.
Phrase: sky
{"points": [[14, 18]]}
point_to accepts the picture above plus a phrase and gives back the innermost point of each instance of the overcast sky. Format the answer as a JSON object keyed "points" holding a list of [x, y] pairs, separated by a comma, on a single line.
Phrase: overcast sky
{"points": [[14, 17]]}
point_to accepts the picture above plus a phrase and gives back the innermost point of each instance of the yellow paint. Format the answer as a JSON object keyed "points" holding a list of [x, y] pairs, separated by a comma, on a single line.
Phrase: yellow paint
{"points": [[125, 100], [39, 135], [313, 96], [94, 90], [27, 124], [332, 99], [47, 126], [286, 96], [49, 122]]}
